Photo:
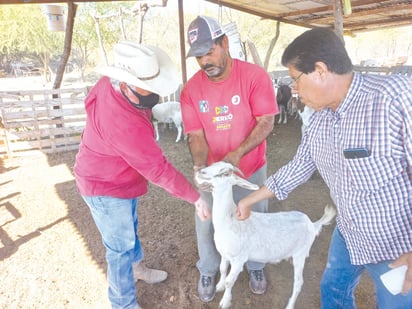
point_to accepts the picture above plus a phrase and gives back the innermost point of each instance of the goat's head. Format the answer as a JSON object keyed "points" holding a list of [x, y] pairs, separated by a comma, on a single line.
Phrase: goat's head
{"points": [[295, 103], [222, 173]]}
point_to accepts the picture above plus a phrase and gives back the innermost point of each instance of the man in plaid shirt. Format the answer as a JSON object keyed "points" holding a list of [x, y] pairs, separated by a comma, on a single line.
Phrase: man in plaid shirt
{"points": [[360, 141]]}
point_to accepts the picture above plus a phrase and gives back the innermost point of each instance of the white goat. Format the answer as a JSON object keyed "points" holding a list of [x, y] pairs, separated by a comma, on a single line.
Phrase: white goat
{"points": [[303, 111], [263, 237], [168, 112], [305, 116]]}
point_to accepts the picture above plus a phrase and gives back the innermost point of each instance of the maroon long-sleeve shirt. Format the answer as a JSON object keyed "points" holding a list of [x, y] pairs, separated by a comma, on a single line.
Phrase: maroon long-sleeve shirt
{"points": [[118, 153]]}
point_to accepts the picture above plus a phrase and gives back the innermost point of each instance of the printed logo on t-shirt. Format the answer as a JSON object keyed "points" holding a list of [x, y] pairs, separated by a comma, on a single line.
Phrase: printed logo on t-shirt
{"points": [[236, 99], [204, 106], [221, 110], [222, 118]]}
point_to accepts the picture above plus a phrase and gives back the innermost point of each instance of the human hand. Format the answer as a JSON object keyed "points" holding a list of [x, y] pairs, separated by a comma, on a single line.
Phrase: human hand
{"points": [[202, 209], [405, 259], [243, 210], [245, 205], [232, 158]]}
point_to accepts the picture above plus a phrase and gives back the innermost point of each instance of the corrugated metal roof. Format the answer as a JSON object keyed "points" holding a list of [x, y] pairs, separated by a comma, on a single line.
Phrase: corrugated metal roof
{"points": [[365, 15]]}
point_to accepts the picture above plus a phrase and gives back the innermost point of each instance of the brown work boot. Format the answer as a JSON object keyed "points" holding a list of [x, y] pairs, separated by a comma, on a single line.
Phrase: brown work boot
{"points": [[148, 275]]}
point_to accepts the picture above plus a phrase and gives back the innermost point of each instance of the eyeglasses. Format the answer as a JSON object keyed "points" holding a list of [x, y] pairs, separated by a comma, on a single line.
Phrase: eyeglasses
{"points": [[297, 78], [294, 80]]}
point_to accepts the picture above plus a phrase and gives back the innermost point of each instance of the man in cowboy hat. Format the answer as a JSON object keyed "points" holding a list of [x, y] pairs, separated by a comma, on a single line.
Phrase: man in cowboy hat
{"points": [[117, 157]]}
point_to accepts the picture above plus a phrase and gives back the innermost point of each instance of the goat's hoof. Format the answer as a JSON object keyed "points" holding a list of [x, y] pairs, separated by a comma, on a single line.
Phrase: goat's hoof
{"points": [[224, 305]]}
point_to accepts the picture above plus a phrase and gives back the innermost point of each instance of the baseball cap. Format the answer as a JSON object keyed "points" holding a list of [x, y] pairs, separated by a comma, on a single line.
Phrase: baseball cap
{"points": [[201, 35]]}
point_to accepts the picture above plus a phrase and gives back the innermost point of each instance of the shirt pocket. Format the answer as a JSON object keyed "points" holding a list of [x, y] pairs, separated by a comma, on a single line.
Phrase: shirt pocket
{"points": [[372, 173]]}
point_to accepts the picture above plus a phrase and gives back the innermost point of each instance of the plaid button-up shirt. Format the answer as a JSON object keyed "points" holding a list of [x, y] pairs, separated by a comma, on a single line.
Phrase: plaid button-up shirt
{"points": [[373, 194]]}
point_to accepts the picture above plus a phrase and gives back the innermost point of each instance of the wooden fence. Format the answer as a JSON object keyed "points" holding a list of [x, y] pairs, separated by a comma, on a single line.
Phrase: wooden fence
{"points": [[53, 120], [41, 120], [401, 69], [45, 120]]}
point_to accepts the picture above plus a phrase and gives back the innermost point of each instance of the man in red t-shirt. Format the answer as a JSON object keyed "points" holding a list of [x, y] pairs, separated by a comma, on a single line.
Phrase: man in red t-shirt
{"points": [[228, 110]]}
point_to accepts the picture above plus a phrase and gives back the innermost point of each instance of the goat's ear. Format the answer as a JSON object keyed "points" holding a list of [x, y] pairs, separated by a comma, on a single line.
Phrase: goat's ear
{"points": [[237, 170], [244, 183]]}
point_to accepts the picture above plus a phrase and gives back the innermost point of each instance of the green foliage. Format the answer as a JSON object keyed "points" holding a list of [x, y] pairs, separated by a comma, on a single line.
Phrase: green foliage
{"points": [[24, 29], [24, 33]]}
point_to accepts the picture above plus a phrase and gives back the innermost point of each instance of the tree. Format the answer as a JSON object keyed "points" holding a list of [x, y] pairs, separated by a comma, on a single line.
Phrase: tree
{"points": [[27, 33], [67, 44]]}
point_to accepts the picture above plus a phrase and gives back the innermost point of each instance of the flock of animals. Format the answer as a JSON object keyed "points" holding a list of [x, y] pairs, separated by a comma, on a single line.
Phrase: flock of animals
{"points": [[290, 105]]}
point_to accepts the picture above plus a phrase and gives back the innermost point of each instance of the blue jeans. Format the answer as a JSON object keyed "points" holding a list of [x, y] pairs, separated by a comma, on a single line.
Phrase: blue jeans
{"points": [[116, 220], [209, 257], [341, 278]]}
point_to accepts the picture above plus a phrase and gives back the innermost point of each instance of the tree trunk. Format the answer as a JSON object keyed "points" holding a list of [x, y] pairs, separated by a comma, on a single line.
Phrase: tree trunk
{"points": [[337, 12], [99, 37], [71, 14], [254, 52], [121, 23], [142, 12], [272, 46]]}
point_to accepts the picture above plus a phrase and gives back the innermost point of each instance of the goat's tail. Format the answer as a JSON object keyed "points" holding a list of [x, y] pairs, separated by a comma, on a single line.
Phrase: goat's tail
{"points": [[326, 219]]}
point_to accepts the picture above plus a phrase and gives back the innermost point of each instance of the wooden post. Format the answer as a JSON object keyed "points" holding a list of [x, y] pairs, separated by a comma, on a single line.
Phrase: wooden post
{"points": [[338, 19], [182, 35]]}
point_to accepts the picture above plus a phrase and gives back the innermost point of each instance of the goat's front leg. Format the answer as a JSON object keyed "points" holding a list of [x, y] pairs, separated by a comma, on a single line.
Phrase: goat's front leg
{"points": [[285, 121], [156, 130], [224, 264], [281, 109], [235, 269], [179, 132], [298, 264]]}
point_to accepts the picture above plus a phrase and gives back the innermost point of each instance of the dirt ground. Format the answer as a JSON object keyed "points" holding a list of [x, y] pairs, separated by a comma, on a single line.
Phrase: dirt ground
{"points": [[51, 255]]}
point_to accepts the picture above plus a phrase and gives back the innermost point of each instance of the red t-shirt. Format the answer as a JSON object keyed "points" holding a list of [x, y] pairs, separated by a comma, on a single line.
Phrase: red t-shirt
{"points": [[118, 152], [227, 111]]}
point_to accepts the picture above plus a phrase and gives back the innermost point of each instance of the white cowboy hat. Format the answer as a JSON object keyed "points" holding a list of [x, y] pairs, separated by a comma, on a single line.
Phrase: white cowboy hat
{"points": [[144, 66]]}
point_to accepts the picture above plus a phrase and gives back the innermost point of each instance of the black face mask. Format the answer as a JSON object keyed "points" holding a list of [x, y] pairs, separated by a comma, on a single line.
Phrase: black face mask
{"points": [[145, 101]]}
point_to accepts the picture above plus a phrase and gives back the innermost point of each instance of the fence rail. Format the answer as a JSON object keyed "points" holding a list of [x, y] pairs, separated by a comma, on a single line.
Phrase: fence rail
{"points": [[41, 120], [53, 120]]}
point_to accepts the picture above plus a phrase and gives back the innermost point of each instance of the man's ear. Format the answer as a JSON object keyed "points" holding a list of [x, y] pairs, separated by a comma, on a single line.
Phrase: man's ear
{"points": [[126, 91], [321, 69], [225, 42], [123, 86]]}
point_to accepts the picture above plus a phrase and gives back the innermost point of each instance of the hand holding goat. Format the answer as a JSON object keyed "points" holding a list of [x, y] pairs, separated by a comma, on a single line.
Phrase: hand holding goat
{"points": [[263, 237]]}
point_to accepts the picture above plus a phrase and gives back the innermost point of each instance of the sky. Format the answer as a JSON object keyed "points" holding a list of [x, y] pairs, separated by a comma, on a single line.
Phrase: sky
{"points": [[191, 5]]}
